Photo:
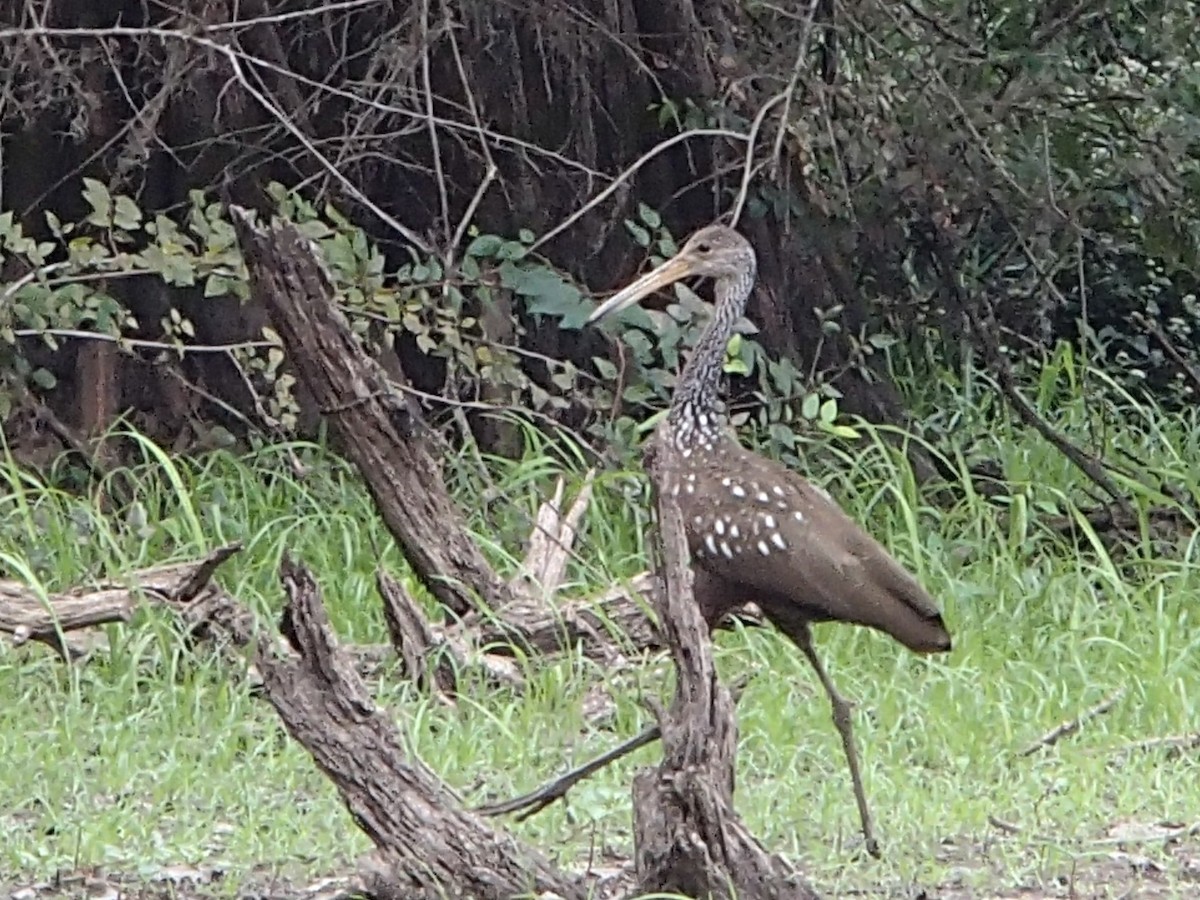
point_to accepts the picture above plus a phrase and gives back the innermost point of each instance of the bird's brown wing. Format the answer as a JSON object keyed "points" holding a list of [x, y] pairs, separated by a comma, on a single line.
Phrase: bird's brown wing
{"points": [[756, 524]]}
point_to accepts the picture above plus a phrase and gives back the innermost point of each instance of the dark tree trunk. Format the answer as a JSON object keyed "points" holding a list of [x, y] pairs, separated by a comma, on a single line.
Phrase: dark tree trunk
{"points": [[563, 95]]}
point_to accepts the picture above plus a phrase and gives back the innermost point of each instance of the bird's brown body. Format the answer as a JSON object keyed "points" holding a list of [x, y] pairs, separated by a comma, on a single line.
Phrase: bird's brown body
{"points": [[757, 531], [762, 533]]}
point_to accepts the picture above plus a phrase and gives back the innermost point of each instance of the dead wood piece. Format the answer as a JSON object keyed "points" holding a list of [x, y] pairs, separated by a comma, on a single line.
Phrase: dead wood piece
{"points": [[431, 657], [551, 541], [687, 836], [430, 662], [1113, 524], [606, 627], [427, 845], [1057, 733], [185, 586], [984, 327], [381, 433], [536, 800], [1173, 744]]}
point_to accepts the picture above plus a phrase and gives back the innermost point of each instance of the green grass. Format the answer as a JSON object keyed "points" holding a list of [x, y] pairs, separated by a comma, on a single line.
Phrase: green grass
{"points": [[152, 756]]}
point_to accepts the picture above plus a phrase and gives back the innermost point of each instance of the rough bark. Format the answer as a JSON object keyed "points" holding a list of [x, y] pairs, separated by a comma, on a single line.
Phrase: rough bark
{"points": [[688, 837], [432, 657], [381, 433], [186, 587], [427, 845]]}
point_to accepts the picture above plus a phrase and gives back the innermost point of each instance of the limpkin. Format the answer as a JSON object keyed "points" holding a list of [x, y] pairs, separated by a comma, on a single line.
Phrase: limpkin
{"points": [[756, 530]]}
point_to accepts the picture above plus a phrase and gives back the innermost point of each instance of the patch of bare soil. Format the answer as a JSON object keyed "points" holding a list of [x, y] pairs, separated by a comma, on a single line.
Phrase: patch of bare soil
{"points": [[1147, 861], [183, 882], [1121, 866]]}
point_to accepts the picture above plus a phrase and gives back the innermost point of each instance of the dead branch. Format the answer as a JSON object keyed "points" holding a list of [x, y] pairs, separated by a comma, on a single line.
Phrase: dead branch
{"points": [[386, 439], [536, 800], [185, 587], [1115, 526], [1157, 332], [1054, 735], [428, 660], [426, 844], [382, 434], [432, 656], [1172, 744], [388, 442], [551, 541], [688, 838]]}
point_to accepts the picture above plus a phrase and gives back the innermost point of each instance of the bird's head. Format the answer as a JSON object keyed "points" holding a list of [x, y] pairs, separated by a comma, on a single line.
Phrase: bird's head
{"points": [[716, 251]]}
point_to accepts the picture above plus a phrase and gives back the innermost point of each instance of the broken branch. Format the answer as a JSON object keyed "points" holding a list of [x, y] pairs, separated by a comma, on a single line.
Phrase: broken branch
{"points": [[426, 844]]}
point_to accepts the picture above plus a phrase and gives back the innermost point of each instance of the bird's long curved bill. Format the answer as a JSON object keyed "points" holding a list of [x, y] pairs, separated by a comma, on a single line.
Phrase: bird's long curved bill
{"points": [[672, 270]]}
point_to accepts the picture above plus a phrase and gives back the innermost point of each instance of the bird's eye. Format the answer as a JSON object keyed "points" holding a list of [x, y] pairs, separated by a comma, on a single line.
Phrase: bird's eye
{"points": [[704, 248]]}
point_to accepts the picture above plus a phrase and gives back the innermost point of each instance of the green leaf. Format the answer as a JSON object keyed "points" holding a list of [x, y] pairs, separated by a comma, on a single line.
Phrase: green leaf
{"points": [[217, 286], [649, 216], [607, 370], [53, 223], [550, 294], [650, 423], [314, 229], [842, 431], [43, 378], [97, 197], [486, 245], [811, 406], [176, 268], [126, 214], [640, 234], [510, 250], [829, 411]]}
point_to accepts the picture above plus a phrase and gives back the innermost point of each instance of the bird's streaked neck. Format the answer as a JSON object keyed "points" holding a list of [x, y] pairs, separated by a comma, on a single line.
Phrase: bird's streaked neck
{"points": [[697, 413]]}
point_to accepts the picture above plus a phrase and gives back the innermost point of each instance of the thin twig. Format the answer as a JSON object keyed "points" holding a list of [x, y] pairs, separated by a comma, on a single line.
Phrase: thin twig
{"points": [[1054, 735], [325, 7], [632, 170], [1169, 742], [985, 334], [537, 800], [797, 68], [748, 168], [1001, 825], [1169, 348], [1166, 836], [492, 169], [435, 148]]}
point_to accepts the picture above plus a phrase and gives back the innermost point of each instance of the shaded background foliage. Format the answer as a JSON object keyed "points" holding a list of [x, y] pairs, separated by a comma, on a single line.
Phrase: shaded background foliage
{"points": [[1035, 160]]}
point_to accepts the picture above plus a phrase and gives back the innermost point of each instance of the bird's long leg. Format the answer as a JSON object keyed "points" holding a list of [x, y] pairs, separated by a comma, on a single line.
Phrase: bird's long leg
{"points": [[802, 635]]}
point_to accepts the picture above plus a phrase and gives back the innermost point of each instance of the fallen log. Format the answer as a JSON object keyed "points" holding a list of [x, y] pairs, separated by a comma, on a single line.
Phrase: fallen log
{"points": [[187, 588]]}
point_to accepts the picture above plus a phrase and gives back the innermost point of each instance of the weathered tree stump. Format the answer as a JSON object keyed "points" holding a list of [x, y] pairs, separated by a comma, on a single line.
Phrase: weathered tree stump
{"points": [[427, 844], [688, 838]]}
